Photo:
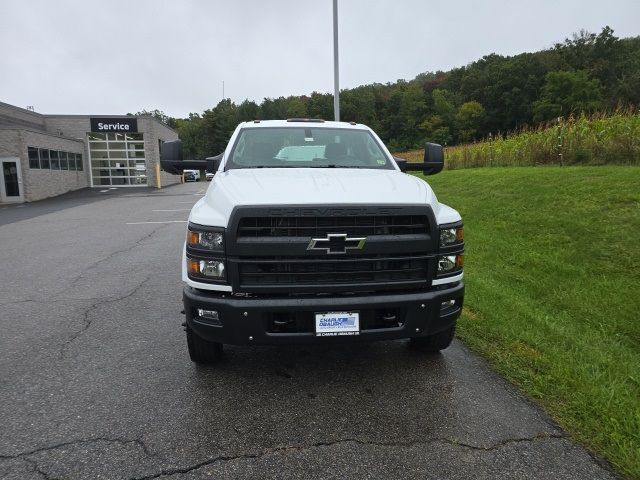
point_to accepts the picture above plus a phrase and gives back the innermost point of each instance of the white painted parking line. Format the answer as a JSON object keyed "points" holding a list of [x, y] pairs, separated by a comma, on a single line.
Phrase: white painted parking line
{"points": [[175, 210], [103, 191], [168, 221]]}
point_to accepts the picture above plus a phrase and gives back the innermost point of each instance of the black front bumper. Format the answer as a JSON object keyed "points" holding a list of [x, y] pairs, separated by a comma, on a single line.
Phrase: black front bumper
{"points": [[247, 320]]}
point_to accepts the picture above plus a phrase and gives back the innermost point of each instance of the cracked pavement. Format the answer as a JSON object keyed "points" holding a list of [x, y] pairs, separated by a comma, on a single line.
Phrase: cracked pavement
{"points": [[95, 379]]}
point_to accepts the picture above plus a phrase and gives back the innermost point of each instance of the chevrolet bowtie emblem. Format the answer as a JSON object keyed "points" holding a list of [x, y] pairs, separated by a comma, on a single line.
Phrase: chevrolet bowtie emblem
{"points": [[336, 243]]}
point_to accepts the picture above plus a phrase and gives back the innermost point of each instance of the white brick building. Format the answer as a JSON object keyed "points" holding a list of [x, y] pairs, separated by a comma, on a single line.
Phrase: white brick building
{"points": [[46, 155]]}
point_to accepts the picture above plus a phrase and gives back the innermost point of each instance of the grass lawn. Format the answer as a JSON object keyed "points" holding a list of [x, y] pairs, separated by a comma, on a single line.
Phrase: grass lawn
{"points": [[552, 270]]}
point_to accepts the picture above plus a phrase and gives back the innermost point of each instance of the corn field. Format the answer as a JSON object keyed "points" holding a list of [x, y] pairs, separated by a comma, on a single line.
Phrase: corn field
{"points": [[603, 139]]}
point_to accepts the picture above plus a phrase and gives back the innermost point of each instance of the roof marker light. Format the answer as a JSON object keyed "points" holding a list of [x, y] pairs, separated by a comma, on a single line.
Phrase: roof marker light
{"points": [[311, 120]]}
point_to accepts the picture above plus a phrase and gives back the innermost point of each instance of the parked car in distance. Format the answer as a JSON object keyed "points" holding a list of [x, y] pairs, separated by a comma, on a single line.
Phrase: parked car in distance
{"points": [[196, 174], [209, 176], [189, 176]]}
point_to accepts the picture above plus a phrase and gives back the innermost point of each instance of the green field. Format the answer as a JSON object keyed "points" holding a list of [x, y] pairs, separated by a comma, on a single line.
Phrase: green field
{"points": [[552, 270]]}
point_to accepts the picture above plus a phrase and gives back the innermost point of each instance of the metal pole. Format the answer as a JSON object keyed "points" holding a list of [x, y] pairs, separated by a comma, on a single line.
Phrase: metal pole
{"points": [[336, 79], [222, 89]]}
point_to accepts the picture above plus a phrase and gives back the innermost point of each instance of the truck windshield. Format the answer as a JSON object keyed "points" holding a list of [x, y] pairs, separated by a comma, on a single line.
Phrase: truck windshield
{"points": [[307, 147]]}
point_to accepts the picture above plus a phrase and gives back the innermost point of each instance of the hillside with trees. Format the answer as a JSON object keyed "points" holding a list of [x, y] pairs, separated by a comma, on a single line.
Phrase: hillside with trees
{"points": [[586, 73]]}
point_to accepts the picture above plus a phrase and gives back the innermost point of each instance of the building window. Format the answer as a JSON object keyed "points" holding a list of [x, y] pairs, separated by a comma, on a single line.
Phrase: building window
{"points": [[52, 159], [55, 160], [117, 159], [44, 158], [34, 160], [64, 163]]}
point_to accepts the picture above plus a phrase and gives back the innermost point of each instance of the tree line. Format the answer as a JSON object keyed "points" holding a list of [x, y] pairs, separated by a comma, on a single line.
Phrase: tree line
{"points": [[586, 73]]}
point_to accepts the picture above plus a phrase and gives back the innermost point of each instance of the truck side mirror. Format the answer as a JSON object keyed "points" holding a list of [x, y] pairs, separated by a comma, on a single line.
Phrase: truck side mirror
{"points": [[433, 161], [402, 163], [213, 163], [433, 158], [171, 150], [171, 159]]}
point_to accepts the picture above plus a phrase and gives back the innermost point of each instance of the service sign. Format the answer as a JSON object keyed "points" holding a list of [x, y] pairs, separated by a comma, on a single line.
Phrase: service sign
{"points": [[121, 125]]}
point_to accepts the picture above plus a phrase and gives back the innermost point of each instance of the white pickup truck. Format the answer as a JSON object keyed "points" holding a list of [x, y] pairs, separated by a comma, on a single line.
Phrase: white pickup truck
{"points": [[310, 231]]}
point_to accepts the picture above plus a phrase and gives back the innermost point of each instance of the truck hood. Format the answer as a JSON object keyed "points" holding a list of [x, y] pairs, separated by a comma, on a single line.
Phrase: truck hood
{"points": [[306, 186]]}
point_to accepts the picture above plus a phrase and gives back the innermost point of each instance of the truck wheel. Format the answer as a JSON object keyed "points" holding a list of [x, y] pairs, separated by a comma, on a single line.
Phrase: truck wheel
{"points": [[201, 351], [434, 343]]}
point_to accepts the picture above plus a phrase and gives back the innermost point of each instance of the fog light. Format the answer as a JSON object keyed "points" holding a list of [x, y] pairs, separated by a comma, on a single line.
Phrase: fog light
{"points": [[208, 316], [447, 304]]}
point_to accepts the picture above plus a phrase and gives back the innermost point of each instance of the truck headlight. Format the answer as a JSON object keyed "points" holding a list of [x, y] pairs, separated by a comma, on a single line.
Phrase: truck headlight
{"points": [[212, 240], [451, 236], [450, 264], [206, 269]]}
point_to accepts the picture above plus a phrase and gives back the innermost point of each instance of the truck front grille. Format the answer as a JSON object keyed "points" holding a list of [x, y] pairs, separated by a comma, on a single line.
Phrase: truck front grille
{"points": [[282, 271], [315, 226], [318, 249]]}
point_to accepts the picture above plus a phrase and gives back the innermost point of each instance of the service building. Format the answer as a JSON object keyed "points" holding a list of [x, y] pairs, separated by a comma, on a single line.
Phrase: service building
{"points": [[46, 155]]}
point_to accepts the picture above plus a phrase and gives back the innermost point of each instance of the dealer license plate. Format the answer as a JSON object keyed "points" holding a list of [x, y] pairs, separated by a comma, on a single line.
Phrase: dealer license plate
{"points": [[332, 324]]}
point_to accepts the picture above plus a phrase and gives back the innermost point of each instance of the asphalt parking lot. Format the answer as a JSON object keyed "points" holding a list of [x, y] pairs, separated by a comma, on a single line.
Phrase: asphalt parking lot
{"points": [[95, 379]]}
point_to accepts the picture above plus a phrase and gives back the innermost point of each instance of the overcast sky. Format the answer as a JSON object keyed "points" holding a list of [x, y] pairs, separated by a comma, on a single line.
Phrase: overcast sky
{"points": [[119, 56]]}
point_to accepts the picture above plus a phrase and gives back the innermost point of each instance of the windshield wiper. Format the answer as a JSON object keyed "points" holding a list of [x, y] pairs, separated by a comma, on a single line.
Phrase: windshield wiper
{"points": [[337, 166], [270, 166], [300, 166]]}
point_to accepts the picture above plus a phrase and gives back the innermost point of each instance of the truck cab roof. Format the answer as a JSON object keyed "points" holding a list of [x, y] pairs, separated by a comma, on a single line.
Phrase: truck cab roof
{"points": [[302, 122]]}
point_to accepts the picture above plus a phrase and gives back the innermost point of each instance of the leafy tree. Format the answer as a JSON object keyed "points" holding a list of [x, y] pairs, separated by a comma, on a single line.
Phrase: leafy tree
{"points": [[565, 93], [628, 89], [320, 106], [434, 129], [217, 126], [470, 118], [601, 55], [158, 114], [248, 110], [505, 86], [273, 108], [295, 108], [190, 132], [413, 109], [443, 105], [359, 105], [391, 126]]}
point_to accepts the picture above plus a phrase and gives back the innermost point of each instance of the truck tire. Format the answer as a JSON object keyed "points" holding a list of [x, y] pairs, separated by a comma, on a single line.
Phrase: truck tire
{"points": [[434, 343], [201, 351]]}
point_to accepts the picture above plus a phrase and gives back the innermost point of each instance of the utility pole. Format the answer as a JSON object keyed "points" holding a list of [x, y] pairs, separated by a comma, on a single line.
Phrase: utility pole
{"points": [[336, 76]]}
